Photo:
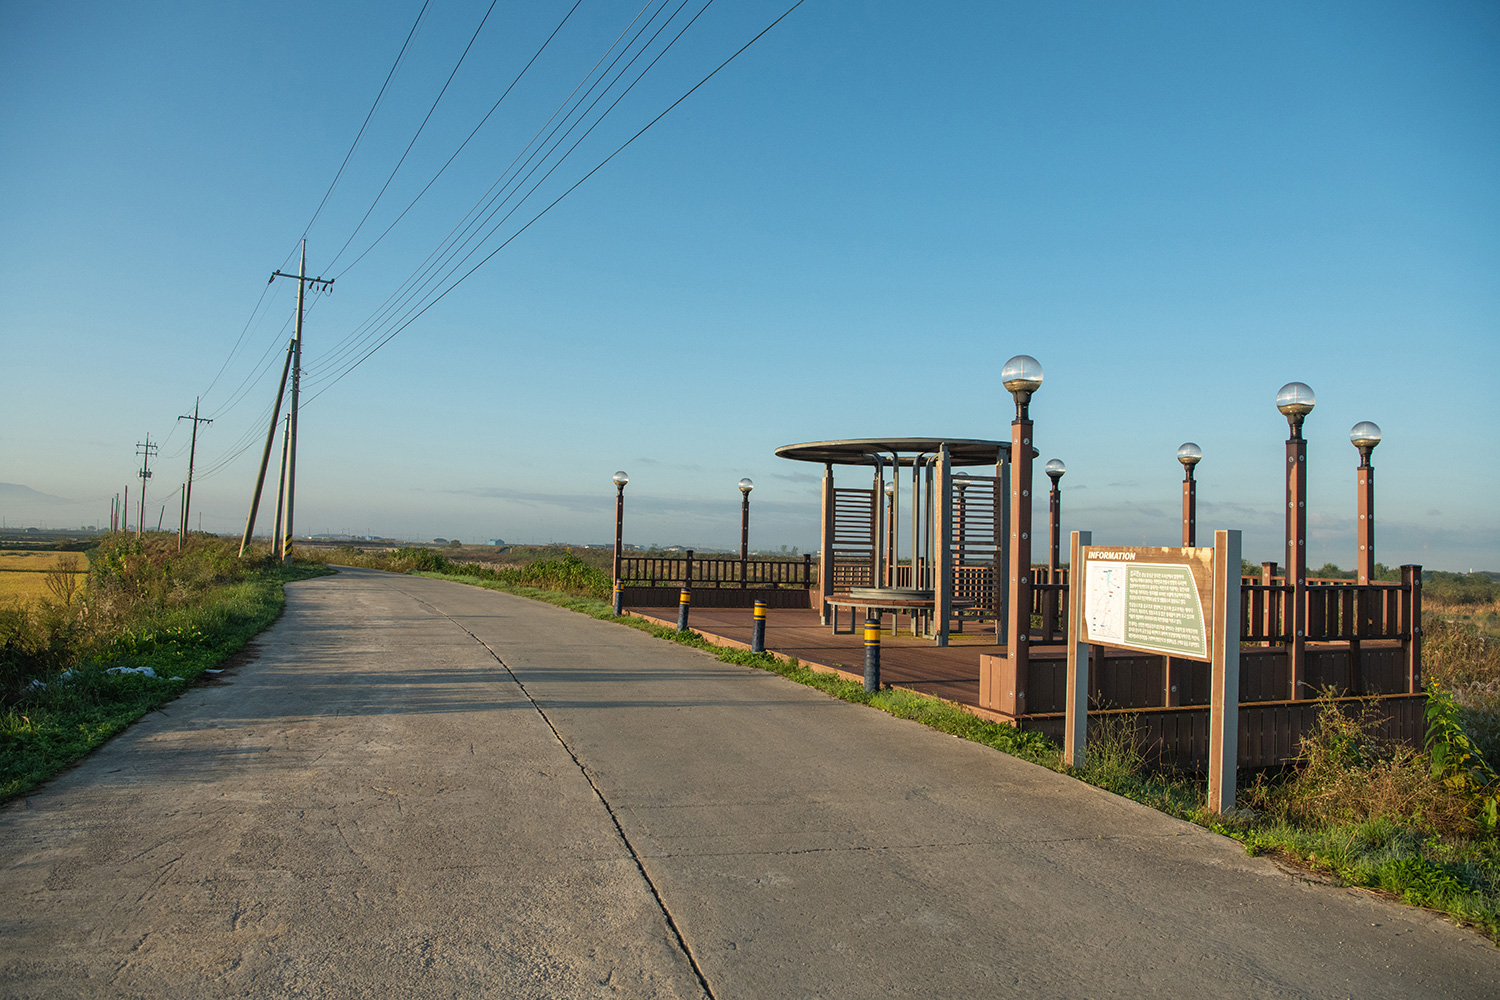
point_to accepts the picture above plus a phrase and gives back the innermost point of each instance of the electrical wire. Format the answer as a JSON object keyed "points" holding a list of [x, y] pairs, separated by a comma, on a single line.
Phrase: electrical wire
{"points": [[371, 114], [461, 146], [407, 322], [426, 274], [405, 153]]}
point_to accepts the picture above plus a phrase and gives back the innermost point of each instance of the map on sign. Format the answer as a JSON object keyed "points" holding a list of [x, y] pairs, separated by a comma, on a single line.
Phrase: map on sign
{"points": [[1152, 606]]}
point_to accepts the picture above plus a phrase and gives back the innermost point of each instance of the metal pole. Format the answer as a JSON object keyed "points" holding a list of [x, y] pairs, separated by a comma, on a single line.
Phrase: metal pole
{"points": [[1296, 557], [1366, 490], [1018, 607], [744, 535], [1189, 508], [619, 544], [291, 467]]}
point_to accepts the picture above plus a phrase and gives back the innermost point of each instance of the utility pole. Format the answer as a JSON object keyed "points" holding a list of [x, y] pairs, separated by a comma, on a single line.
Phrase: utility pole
{"points": [[125, 510], [277, 545], [291, 462], [145, 451], [187, 489]]}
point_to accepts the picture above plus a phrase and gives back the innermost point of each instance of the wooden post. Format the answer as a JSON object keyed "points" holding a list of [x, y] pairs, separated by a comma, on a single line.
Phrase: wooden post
{"points": [[1224, 684], [1076, 724], [1001, 574], [1366, 503], [1018, 611], [825, 547], [1411, 625], [1296, 562], [942, 554]]}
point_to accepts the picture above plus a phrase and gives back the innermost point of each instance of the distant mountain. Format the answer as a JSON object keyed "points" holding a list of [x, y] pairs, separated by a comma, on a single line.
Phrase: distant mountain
{"points": [[16, 493]]}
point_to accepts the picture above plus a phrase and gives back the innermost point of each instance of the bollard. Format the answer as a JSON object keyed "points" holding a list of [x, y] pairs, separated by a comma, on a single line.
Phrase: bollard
{"points": [[872, 655], [758, 637], [682, 609], [619, 599]]}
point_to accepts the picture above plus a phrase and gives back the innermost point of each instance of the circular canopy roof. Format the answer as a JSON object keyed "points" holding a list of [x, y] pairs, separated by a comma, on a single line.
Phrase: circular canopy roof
{"points": [[857, 451]]}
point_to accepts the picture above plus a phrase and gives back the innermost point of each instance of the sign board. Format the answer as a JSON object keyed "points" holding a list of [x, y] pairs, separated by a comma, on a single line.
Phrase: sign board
{"points": [[1179, 602], [1150, 598]]}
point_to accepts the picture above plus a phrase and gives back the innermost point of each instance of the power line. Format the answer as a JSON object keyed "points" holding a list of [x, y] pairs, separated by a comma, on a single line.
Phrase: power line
{"points": [[388, 77], [536, 55], [560, 197], [405, 153], [426, 274]]}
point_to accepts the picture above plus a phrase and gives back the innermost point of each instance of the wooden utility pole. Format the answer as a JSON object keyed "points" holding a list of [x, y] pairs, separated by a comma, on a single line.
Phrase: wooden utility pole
{"points": [[145, 450], [291, 462], [187, 489], [265, 455]]}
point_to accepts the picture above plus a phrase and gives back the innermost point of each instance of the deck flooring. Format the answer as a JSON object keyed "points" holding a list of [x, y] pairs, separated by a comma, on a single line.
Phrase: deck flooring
{"points": [[918, 664]]}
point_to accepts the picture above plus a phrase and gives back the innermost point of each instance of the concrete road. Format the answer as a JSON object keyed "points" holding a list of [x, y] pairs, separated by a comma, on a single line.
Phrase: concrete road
{"points": [[423, 789]]}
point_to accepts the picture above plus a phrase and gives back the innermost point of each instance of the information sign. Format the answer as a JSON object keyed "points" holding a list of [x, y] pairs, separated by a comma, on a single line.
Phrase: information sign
{"points": [[1150, 599]]}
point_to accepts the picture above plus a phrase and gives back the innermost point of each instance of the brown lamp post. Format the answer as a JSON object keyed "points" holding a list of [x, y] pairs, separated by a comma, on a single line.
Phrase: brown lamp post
{"points": [[1189, 455], [1055, 470], [1365, 435], [619, 479], [1296, 401], [745, 486], [1022, 376]]}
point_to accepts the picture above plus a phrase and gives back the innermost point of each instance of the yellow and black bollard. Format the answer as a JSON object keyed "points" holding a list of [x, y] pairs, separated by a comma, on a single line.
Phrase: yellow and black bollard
{"points": [[872, 654], [683, 601], [758, 637], [619, 598]]}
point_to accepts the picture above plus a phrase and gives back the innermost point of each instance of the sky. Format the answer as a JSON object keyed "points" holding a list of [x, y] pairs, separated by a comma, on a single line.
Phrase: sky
{"points": [[845, 232]]}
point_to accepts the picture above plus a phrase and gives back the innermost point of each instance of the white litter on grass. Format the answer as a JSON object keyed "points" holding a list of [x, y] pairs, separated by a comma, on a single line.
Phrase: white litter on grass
{"points": [[38, 685], [143, 671]]}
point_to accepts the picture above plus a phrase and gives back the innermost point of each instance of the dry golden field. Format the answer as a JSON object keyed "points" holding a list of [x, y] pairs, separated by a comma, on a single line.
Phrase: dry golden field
{"points": [[23, 575]]}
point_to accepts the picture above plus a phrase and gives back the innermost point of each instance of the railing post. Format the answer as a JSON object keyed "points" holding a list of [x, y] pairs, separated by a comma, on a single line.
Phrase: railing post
{"points": [[1271, 625], [1411, 625]]}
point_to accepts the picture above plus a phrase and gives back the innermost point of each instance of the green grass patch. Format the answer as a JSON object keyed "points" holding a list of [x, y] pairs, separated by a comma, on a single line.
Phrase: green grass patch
{"points": [[147, 624]]}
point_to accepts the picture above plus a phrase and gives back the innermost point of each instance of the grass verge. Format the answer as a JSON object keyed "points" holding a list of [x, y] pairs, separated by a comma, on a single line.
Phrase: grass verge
{"points": [[149, 622]]}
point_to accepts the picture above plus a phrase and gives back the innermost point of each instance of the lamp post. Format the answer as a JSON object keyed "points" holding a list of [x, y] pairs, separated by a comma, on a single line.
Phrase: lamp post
{"points": [[619, 479], [1365, 435], [745, 486], [1054, 469], [1021, 376], [1189, 455], [1296, 401]]}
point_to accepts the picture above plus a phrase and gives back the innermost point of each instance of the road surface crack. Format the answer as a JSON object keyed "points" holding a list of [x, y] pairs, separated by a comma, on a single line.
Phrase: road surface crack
{"points": [[635, 855]]}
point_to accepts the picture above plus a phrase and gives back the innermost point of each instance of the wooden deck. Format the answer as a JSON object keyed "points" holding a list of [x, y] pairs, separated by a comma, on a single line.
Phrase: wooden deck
{"points": [[913, 663]]}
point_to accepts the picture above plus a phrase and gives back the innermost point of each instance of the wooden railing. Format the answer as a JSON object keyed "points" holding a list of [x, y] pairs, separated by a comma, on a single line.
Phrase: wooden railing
{"points": [[690, 570]]}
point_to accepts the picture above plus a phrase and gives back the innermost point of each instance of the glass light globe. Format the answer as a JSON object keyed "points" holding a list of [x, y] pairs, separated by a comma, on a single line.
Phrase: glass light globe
{"points": [[1022, 373], [1189, 454], [746, 485], [1296, 399], [1055, 468], [620, 478], [1365, 434]]}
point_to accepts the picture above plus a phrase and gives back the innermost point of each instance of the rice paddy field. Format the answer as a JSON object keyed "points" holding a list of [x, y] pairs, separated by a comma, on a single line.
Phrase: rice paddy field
{"points": [[23, 575]]}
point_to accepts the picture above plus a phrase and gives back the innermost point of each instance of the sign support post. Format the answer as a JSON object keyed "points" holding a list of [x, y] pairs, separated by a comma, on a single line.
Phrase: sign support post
{"points": [[1224, 697], [1076, 724]]}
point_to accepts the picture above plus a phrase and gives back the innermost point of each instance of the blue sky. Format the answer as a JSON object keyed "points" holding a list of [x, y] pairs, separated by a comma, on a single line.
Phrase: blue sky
{"points": [[1175, 207]]}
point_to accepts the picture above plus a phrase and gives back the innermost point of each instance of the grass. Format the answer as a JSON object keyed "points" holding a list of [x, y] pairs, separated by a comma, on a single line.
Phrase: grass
{"points": [[26, 577], [74, 671]]}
